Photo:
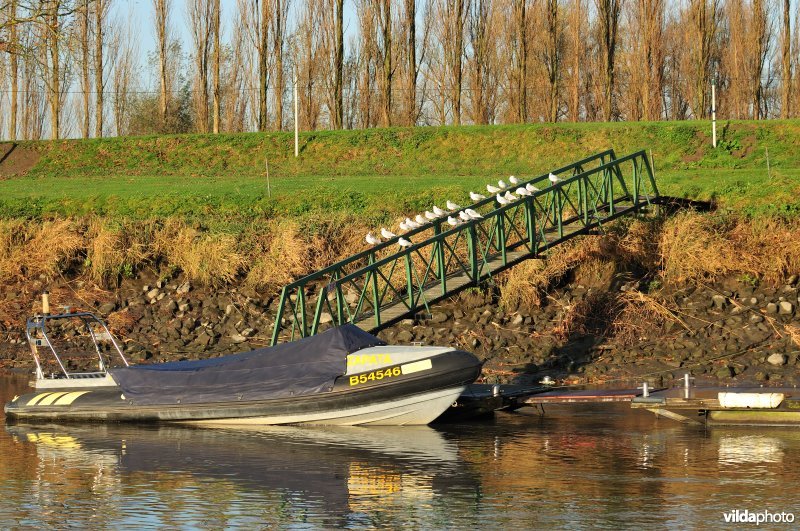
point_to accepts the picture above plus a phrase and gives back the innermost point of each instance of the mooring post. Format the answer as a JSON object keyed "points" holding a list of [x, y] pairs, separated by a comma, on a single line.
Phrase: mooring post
{"points": [[686, 385], [645, 390]]}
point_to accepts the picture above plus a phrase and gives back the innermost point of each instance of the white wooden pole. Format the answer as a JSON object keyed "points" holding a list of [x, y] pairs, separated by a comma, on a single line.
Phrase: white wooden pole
{"points": [[714, 114], [296, 123]]}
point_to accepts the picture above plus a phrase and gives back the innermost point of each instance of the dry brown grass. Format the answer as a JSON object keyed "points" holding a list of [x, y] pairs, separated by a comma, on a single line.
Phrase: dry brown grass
{"points": [[698, 247], [209, 258], [637, 315], [526, 284], [115, 249], [30, 249], [278, 256]]}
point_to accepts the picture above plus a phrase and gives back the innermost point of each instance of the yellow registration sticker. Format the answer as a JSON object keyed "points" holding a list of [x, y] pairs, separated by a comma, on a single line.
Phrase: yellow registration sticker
{"points": [[374, 376]]}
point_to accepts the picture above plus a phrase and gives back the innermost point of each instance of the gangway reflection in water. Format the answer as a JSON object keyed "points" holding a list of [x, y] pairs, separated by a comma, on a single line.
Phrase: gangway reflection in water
{"points": [[333, 471]]}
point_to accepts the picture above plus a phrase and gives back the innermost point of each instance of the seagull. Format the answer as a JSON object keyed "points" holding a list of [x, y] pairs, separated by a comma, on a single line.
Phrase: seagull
{"points": [[531, 188], [501, 184], [387, 234], [372, 240], [513, 180], [420, 219], [476, 197], [452, 206], [430, 216], [402, 242], [472, 214], [464, 216], [553, 178], [452, 221], [502, 200], [404, 227], [411, 224], [438, 211], [522, 191], [492, 189], [510, 196]]}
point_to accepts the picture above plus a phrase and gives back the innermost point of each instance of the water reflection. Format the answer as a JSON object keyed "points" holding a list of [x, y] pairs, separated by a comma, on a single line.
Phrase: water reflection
{"points": [[605, 467]]}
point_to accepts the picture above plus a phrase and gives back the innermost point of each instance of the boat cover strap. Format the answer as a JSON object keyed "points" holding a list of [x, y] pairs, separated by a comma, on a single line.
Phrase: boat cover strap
{"points": [[302, 367]]}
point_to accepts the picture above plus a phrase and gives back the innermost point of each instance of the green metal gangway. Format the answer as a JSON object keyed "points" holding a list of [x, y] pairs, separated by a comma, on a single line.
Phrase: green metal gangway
{"points": [[386, 283]]}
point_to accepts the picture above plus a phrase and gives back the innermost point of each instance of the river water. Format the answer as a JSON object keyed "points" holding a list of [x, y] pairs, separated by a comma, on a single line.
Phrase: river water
{"points": [[573, 467]]}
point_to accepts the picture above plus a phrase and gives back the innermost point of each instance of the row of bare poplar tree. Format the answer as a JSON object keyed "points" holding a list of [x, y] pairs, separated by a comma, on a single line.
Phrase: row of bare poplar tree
{"points": [[71, 69]]}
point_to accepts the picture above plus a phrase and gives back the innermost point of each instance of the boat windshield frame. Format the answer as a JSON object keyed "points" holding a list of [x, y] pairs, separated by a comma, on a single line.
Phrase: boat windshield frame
{"points": [[36, 333]]}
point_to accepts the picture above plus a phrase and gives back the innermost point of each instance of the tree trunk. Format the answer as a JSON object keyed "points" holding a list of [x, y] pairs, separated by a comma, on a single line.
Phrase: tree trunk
{"points": [[85, 83], [786, 61], [263, 74], [279, 22], [522, 61], [14, 47], [217, 95], [411, 62], [386, 29], [99, 82], [554, 58], [608, 19], [338, 104], [53, 36], [162, 14]]}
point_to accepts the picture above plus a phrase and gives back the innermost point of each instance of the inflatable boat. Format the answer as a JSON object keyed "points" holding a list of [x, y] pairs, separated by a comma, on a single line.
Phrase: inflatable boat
{"points": [[343, 376]]}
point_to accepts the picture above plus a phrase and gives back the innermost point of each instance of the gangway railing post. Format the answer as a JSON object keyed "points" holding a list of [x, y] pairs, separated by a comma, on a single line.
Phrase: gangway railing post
{"points": [[279, 315], [472, 248], [439, 251], [301, 301], [409, 280], [530, 223], [558, 210], [375, 295], [501, 235]]}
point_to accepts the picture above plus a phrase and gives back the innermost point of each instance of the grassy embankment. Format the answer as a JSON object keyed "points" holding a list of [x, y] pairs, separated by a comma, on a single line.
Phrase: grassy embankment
{"points": [[199, 203]]}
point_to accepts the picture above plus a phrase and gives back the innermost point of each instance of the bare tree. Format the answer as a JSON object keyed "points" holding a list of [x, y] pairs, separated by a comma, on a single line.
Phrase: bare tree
{"points": [[481, 77], [13, 47], [553, 51], [101, 9], [519, 59], [382, 11], [577, 24], [786, 61], [162, 20], [84, 16], [338, 109], [216, 52], [201, 26], [123, 55], [281, 14], [700, 40], [607, 25]]}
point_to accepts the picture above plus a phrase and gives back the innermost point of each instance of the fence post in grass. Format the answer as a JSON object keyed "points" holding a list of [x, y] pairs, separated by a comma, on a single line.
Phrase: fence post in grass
{"points": [[266, 164], [769, 173], [714, 113]]}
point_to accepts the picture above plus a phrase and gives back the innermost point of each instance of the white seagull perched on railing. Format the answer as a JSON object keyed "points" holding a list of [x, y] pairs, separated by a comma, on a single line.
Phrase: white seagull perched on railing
{"points": [[531, 188], [402, 242], [438, 211], [553, 178], [476, 197], [387, 234], [452, 206], [472, 214], [502, 184], [420, 219], [464, 216], [372, 240], [404, 227], [513, 180], [492, 189], [430, 216], [411, 224], [502, 200], [522, 191], [510, 196], [452, 221]]}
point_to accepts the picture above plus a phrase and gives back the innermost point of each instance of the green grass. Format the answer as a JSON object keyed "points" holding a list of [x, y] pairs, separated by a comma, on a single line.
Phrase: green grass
{"points": [[380, 173]]}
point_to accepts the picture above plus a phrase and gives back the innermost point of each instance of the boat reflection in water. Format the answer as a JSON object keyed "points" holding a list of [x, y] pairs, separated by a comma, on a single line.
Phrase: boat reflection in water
{"points": [[331, 475]]}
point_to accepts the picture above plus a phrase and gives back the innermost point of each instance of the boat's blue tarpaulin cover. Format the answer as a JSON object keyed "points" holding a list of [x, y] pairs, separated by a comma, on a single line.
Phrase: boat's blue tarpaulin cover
{"points": [[302, 367]]}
